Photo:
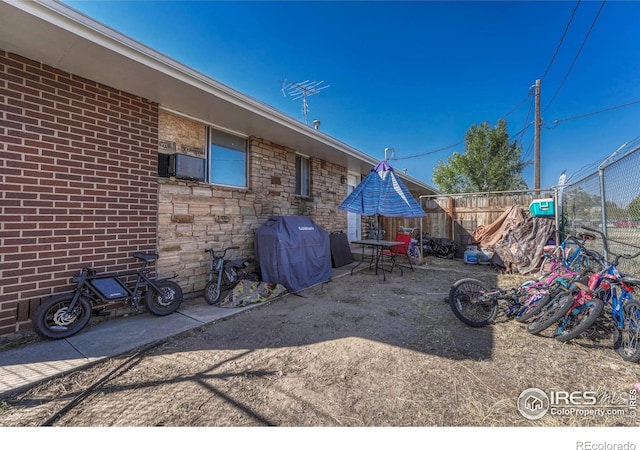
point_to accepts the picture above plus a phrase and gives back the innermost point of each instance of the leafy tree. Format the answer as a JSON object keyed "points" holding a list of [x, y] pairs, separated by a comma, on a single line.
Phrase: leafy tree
{"points": [[614, 211], [634, 208], [490, 163], [580, 205]]}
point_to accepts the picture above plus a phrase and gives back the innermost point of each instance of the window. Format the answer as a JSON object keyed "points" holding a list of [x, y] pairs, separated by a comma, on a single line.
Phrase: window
{"points": [[302, 175], [227, 159]]}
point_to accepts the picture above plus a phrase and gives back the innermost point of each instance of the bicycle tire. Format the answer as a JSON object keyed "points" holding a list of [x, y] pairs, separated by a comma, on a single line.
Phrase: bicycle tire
{"points": [[51, 322], [535, 301], [166, 301], [551, 313], [553, 291], [468, 307], [627, 340], [579, 319], [212, 291]]}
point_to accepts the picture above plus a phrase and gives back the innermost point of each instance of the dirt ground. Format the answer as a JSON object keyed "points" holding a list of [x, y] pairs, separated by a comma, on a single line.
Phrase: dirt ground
{"points": [[354, 352]]}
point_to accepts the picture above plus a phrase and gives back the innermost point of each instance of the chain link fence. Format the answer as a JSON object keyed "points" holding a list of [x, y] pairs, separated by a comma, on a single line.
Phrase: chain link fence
{"points": [[607, 201]]}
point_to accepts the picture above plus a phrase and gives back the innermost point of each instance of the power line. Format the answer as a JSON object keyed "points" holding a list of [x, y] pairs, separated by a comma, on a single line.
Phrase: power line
{"points": [[595, 19], [590, 168], [566, 29], [527, 122], [431, 152], [557, 121], [462, 142], [517, 136], [516, 107]]}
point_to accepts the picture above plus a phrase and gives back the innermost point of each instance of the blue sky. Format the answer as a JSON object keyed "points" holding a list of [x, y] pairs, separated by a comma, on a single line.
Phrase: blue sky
{"points": [[415, 76]]}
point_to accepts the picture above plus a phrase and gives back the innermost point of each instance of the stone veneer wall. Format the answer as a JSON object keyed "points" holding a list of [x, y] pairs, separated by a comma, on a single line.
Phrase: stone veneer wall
{"points": [[194, 216]]}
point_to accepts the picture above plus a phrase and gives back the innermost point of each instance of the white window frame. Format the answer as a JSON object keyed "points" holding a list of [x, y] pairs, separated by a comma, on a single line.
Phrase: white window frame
{"points": [[229, 142], [303, 175]]}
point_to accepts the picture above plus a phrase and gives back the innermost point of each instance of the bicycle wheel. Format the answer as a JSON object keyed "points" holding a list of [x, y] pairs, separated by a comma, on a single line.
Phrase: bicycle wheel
{"points": [[164, 302], [627, 340], [469, 304], [534, 302], [551, 313], [212, 291], [579, 320], [54, 320], [538, 302]]}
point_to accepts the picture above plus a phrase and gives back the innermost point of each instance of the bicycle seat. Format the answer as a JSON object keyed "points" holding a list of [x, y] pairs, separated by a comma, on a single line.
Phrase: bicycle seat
{"points": [[587, 236], [240, 262], [146, 256]]}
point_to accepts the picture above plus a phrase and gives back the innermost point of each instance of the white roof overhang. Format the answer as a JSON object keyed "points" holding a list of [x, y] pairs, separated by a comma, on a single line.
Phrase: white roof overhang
{"points": [[56, 35]]}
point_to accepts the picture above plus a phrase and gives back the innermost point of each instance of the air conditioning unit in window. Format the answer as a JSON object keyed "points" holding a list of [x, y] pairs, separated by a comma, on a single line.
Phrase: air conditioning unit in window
{"points": [[182, 166]]}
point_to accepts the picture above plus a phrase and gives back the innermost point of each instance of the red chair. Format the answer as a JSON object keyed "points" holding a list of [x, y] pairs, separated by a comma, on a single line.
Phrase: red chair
{"points": [[400, 250]]}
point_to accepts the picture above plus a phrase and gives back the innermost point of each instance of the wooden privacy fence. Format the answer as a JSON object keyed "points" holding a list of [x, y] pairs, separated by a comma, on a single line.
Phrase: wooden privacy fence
{"points": [[456, 216]]}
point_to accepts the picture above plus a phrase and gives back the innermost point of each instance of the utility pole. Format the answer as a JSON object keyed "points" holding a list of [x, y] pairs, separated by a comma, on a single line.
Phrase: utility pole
{"points": [[536, 153]]}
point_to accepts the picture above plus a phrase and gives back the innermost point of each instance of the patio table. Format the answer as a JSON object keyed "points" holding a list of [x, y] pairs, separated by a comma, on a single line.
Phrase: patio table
{"points": [[377, 246]]}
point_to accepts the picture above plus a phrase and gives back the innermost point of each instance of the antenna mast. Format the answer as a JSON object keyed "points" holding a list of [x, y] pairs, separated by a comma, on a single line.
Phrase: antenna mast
{"points": [[301, 91]]}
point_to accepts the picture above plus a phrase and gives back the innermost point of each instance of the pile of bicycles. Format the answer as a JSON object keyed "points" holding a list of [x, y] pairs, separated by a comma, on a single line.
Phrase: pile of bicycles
{"points": [[579, 292]]}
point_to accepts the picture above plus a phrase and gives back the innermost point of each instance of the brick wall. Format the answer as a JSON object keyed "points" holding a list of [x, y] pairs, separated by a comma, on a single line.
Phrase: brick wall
{"points": [[78, 184], [195, 216]]}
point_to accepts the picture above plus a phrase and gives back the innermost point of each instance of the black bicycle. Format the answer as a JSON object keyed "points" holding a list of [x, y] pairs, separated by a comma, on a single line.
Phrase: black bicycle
{"points": [[225, 273], [64, 315]]}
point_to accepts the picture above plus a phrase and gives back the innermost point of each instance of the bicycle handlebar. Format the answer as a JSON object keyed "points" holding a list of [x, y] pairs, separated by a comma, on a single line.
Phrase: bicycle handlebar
{"points": [[213, 251]]}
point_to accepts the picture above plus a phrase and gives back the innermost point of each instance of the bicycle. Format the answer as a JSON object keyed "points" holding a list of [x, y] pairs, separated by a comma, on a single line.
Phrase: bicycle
{"points": [[579, 292], [225, 273], [575, 311], [625, 314], [573, 253], [64, 315], [561, 303], [589, 304], [545, 289], [477, 306]]}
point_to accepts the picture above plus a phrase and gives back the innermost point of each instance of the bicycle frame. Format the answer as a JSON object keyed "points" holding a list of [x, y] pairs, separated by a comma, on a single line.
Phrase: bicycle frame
{"points": [[223, 272], [571, 252], [599, 282], [62, 315], [557, 274], [618, 292], [217, 263], [84, 281], [587, 292]]}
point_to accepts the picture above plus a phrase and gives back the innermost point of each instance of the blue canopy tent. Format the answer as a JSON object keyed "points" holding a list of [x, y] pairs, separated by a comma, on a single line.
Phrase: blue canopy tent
{"points": [[382, 193]]}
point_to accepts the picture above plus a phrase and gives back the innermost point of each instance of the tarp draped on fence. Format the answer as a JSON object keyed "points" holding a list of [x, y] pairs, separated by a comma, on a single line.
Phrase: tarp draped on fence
{"points": [[489, 235], [522, 248]]}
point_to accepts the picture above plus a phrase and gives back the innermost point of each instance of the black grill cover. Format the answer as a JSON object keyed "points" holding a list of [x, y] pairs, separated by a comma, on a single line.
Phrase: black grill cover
{"points": [[293, 251]]}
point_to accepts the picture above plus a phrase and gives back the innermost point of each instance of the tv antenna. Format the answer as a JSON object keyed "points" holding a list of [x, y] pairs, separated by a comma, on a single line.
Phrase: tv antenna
{"points": [[302, 90]]}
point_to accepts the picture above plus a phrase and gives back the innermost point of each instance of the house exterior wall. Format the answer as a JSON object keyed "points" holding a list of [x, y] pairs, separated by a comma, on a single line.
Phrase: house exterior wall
{"points": [[79, 187], [78, 182], [195, 216]]}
